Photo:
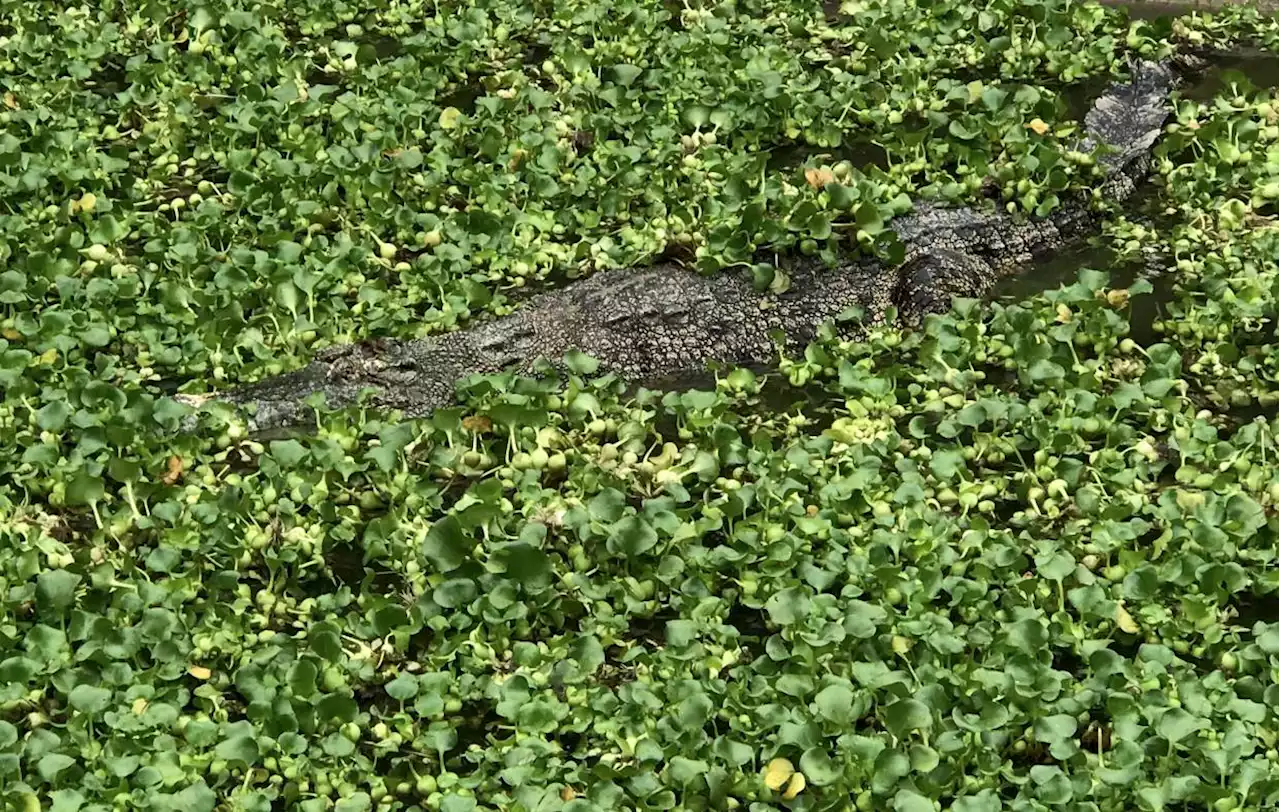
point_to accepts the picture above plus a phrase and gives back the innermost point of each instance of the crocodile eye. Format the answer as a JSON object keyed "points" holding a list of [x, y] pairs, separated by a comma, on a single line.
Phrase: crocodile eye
{"points": [[507, 343], [330, 354]]}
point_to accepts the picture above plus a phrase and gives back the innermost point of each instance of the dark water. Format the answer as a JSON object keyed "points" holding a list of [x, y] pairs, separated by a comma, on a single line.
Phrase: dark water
{"points": [[1064, 270], [861, 154], [1262, 70]]}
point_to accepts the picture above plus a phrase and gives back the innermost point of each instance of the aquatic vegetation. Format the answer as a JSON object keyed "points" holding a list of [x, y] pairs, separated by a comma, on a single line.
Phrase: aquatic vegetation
{"points": [[1023, 557]]}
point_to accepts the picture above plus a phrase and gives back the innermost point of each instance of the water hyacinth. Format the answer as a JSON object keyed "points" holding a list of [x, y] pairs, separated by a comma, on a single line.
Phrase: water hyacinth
{"points": [[1022, 557]]}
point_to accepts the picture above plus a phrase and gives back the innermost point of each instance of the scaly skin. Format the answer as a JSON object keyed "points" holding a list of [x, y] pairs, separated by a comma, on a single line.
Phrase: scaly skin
{"points": [[664, 321]]}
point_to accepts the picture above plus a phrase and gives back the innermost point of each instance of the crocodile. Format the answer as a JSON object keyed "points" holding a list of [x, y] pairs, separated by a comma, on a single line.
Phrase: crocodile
{"points": [[666, 321]]}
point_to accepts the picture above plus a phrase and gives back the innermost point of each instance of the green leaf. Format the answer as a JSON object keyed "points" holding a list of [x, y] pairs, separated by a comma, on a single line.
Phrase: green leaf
{"points": [[452, 594], [107, 229], [890, 765], [907, 715], [288, 452], [696, 115], [391, 617], [56, 589], [53, 416], [835, 704], [984, 801], [788, 606], [632, 537], [1176, 724], [195, 798], [65, 800], [302, 678], [580, 363], [89, 699], [606, 506], [588, 653], [356, 802], [923, 759], [626, 74], [338, 746], [51, 765], [993, 98], [735, 753], [458, 803], [694, 711], [945, 464], [286, 294], [239, 749], [685, 771], [843, 197], [867, 216], [819, 768], [908, 801], [1055, 728], [326, 641], [1267, 637], [524, 564], [446, 545], [681, 633], [85, 490], [1055, 567], [403, 688], [962, 131], [240, 182], [1027, 635]]}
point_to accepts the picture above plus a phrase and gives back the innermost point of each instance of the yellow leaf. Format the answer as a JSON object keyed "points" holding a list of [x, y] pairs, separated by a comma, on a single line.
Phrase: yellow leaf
{"points": [[10, 101], [199, 672], [173, 472], [817, 178], [139, 706], [11, 334], [794, 787], [1188, 500], [1125, 620], [1064, 313], [1118, 297], [901, 645], [568, 794], [1038, 127], [449, 117], [777, 773]]}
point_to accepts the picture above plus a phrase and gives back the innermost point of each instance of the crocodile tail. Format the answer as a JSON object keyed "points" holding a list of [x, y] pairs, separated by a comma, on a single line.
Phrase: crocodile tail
{"points": [[1129, 117]]}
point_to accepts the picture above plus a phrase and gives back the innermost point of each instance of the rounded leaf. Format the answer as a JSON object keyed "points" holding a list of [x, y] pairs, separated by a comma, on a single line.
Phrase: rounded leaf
{"points": [[777, 773]]}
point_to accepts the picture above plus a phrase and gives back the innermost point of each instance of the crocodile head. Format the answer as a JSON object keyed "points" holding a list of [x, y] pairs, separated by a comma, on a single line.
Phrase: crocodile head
{"points": [[928, 282]]}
